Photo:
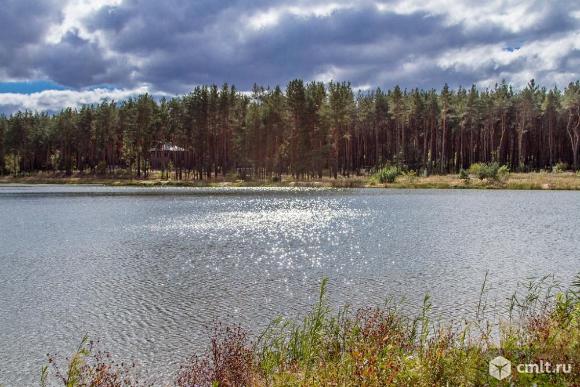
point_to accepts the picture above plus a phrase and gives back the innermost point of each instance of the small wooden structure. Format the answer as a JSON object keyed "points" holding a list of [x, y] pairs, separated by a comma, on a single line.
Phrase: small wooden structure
{"points": [[162, 155]]}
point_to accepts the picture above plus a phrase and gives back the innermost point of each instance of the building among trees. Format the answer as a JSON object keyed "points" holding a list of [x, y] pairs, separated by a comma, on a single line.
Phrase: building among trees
{"points": [[165, 155], [308, 130]]}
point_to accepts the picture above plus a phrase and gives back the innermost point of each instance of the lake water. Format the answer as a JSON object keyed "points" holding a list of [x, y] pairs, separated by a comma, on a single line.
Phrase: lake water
{"points": [[146, 271]]}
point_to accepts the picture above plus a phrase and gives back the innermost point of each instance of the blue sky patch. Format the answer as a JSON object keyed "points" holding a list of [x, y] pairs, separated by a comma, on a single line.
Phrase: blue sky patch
{"points": [[28, 87]]}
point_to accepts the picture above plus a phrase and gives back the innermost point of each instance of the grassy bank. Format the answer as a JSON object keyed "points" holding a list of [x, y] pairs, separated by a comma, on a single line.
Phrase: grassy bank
{"points": [[532, 180], [372, 347]]}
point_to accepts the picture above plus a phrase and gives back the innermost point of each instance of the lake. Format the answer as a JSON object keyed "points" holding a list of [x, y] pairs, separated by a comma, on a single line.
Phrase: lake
{"points": [[148, 270]]}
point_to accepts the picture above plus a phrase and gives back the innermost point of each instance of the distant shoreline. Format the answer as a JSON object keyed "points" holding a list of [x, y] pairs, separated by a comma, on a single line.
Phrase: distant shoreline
{"points": [[521, 181]]}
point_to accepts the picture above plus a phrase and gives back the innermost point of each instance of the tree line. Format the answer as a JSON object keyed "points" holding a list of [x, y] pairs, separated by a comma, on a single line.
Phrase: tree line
{"points": [[306, 130]]}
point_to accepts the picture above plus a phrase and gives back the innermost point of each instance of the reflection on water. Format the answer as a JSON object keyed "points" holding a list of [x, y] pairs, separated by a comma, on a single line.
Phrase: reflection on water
{"points": [[147, 270]]}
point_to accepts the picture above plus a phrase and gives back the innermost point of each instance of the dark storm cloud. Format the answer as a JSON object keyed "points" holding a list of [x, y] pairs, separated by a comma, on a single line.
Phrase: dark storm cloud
{"points": [[172, 45], [23, 23], [183, 43], [77, 62], [139, 26], [212, 48]]}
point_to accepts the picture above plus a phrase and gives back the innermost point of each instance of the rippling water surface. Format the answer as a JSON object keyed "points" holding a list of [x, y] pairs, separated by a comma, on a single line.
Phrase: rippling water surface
{"points": [[148, 270]]}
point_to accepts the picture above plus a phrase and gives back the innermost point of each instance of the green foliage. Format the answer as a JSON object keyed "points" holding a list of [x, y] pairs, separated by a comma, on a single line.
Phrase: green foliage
{"points": [[559, 167], [503, 172], [88, 366], [464, 175], [388, 174], [12, 163], [306, 130], [491, 171], [300, 343]]}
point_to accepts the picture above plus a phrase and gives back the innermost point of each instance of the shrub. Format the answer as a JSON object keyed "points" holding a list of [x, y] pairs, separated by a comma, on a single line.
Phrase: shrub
{"points": [[503, 172], [463, 175], [228, 362], [388, 174], [88, 366], [490, 171], [559, 167], [480, 170]]}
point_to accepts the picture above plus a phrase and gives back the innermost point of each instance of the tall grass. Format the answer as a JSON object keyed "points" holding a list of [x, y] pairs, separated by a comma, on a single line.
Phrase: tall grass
{"points": [[376, 347], [88, 366]]}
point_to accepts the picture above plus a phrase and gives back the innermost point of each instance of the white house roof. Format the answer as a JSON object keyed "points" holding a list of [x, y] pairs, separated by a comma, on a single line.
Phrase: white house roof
{"points": [[167, 147]]}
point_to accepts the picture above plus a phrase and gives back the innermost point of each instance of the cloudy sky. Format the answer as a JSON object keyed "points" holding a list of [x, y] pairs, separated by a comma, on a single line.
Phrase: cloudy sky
{"points": [[55, 53]]}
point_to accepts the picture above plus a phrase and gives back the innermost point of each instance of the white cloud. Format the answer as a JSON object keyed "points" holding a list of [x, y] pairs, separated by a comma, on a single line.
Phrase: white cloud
{"points": [[331, 73], [73, 14], [54, 100], [272, 16], [539, 55], [511, 15]]}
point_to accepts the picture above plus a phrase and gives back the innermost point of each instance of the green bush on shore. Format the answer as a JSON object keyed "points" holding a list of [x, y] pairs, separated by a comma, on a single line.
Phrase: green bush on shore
{"points": [[464, 175], [491, 171], [388, 174], [559, 167]]}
